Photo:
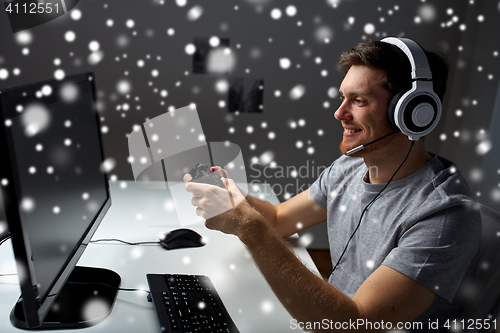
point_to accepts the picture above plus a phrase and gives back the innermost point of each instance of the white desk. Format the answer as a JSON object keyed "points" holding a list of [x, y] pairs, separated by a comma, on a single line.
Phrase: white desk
{"points": [[138, 215]]}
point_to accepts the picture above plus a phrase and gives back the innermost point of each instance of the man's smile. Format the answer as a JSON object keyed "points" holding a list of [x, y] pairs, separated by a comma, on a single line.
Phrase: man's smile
{"points": [[351, 131]]}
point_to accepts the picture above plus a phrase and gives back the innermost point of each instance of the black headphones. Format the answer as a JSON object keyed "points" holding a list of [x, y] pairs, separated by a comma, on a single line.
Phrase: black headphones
{"points": [[417, 111]]}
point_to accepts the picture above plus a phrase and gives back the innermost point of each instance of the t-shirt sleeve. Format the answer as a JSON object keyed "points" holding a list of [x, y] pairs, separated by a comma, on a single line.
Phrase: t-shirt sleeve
{"points": [[320, 188], [436, 250]]}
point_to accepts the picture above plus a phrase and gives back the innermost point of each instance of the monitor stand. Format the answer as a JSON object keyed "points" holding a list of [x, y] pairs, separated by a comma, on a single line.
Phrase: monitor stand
{"points": [[85, 300]]}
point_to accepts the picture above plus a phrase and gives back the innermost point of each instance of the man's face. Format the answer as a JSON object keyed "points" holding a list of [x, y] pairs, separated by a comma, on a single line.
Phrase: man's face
{"points": [[363, 109]]}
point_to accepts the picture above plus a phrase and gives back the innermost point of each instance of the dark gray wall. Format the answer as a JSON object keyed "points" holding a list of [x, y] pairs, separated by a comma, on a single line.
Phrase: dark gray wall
{"points": [[251, 27], [474, 91]]}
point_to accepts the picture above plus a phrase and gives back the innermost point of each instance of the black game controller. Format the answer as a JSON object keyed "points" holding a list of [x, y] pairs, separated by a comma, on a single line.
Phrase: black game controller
{"points": [[202, 174]]}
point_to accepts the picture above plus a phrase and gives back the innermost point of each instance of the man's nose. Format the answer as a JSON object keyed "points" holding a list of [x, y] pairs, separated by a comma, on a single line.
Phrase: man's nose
{"points": [[343, 112]]}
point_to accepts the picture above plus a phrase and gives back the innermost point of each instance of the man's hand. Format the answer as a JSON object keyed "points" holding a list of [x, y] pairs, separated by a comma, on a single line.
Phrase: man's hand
{"points": [[215, 169], [241, 220], [222, 200], [213, 202]]}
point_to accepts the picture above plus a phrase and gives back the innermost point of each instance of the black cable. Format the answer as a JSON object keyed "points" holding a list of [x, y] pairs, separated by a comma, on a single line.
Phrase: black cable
{"points": [[5, 239], [95, 241], [135, 289], [109, 286], [366, 207], [106, 285], [122, 241]]}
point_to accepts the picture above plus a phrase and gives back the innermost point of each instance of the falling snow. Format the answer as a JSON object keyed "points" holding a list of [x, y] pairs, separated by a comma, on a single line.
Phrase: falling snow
{"points": [[144, 68], [267, 307], [70, 36]]}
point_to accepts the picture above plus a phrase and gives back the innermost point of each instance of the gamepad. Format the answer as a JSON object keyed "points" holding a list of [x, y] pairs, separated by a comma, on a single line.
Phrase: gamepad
{"points": [[202, 174]]}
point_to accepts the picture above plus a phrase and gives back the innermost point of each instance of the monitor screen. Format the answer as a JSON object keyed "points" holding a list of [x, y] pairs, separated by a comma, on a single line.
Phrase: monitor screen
{"points": [[56, 193]]}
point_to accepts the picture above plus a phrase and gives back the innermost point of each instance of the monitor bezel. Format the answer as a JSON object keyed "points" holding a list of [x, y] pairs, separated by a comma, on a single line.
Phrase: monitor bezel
{"points": [[36, 307]]}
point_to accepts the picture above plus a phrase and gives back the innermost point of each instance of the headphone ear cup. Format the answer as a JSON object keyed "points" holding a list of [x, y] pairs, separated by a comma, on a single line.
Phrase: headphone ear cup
{"points": [[391, 109]]}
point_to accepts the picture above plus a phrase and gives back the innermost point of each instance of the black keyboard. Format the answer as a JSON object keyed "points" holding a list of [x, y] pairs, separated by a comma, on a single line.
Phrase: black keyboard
{"points": [[188, 303]]}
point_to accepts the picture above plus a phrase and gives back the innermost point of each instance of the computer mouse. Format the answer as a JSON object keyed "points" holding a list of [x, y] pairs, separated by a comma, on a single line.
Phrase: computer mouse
{"points": [[181, 238]]}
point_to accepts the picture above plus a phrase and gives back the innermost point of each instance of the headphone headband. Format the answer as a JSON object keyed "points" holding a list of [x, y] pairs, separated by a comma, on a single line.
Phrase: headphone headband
{"points": [[420, 68]]}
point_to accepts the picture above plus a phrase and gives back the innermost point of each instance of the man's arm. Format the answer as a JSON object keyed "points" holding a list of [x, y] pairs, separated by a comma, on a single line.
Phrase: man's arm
{"points": [[386, 295], [286, 216], [295, 214]]}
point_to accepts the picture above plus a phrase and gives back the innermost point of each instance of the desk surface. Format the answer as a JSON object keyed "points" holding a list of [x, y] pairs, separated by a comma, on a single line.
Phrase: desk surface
{"points": [[138, 215]]}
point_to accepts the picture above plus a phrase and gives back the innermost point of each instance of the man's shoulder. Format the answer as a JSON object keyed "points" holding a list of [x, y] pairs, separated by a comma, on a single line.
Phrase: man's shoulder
{"points": [[343, 168], [340, 171], [448, 180], [345, 162], [444, 193]]}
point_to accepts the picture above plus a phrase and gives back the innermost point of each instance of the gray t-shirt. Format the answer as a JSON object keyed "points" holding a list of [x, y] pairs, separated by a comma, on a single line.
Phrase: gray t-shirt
{"points": [[426, 226]]}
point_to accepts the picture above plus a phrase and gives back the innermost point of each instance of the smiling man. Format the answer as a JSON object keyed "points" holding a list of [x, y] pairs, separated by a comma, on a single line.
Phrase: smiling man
{"points": [[402, 224]]}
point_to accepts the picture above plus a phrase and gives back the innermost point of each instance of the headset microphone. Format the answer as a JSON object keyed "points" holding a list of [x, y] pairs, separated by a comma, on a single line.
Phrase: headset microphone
{"points": [[358, 148]]}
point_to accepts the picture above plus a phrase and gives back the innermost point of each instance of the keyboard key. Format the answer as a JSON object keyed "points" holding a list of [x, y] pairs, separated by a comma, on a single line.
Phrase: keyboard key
{"points": [[189, 304]]}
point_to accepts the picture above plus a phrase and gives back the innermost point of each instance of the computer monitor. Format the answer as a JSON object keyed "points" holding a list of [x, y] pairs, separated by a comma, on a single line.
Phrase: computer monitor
{"points": [[55, 196]]}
